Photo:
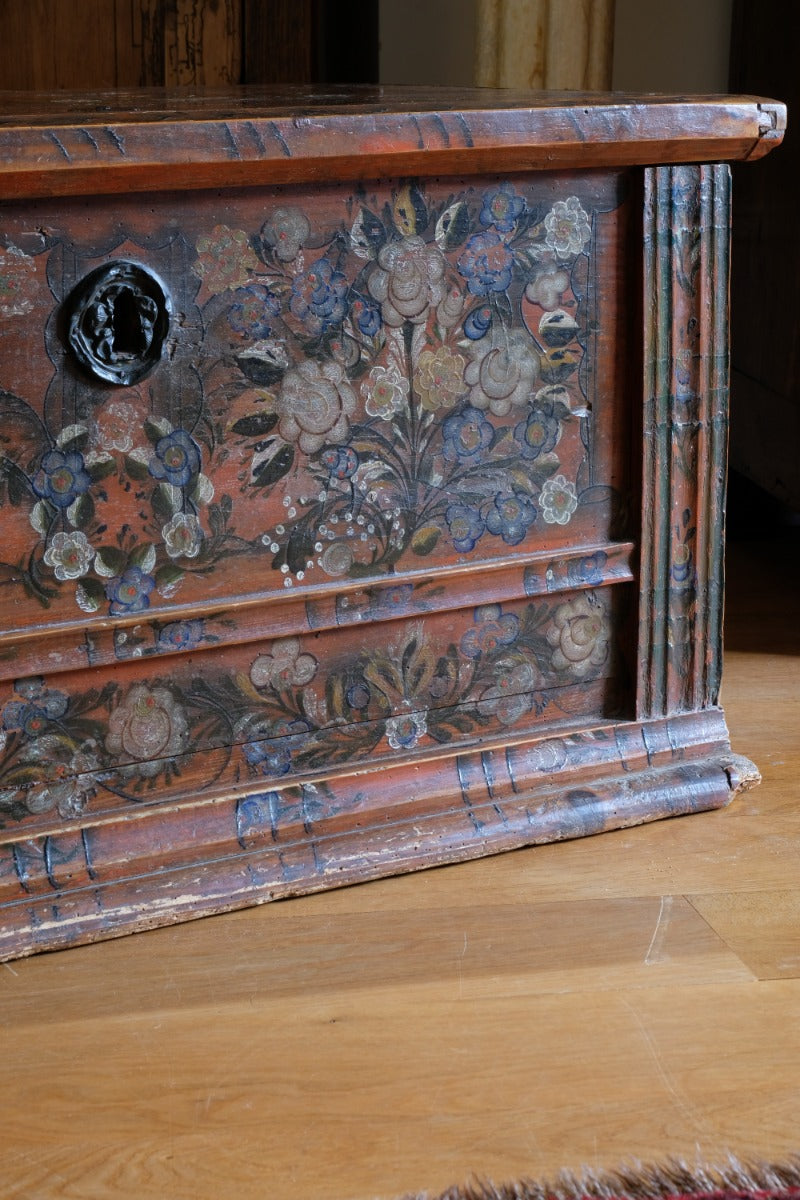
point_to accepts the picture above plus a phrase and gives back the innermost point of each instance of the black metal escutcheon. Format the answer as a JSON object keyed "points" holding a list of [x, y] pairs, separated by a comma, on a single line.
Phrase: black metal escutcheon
{"points": [[118, 319]]}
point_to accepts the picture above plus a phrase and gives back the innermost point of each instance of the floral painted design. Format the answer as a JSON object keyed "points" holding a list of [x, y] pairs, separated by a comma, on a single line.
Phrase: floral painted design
{"points": [[568, 227], [580, 635], [299, 705], [558, 500], [147, 725], [392, 381], [225, 259]]}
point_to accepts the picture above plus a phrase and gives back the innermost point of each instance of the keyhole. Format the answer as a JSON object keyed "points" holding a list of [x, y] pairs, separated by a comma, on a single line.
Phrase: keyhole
{"points": [[129, 339]]}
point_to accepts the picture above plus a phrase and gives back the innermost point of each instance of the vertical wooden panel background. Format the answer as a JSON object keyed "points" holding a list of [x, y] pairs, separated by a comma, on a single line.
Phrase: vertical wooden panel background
{"points": [[84, 44]]}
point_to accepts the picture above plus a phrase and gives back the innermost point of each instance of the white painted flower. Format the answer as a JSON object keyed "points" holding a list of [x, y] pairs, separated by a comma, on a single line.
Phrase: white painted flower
{"points": [[337, 559], [580, 634], [182, 536], [315, 403], [286, 231], [547, 289], [69, 554], [510, 697], [404, 732], [285, 666], [502, 372], [408, 279], [558, 500], [116, 425], [149, 724], [568, 227], [385, 392]]}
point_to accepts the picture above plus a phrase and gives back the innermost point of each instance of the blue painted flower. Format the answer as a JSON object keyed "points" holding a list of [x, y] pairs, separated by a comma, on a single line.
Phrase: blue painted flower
{"points": [[319, 296], [588, 570], [358, 695], [181, 635], [404, 732], [394, 598], [510, 517], [492, 628], [340, 461], [61, 478], [367, 316], [502, 208], [538, 433], [273, 755], [270, 757], [466, 526], [478, 322], [130, 591], [466, 435], [252, 309], [40, 706], [486, 263], [177, 458]]}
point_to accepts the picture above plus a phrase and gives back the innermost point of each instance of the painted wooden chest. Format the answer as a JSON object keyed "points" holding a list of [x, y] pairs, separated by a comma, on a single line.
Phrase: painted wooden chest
{"points": [[362, 469]]}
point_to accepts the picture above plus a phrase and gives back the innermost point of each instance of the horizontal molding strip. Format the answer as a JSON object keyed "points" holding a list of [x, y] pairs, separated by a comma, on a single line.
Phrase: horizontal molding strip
{"points": [[51, 650], [90, 883]]}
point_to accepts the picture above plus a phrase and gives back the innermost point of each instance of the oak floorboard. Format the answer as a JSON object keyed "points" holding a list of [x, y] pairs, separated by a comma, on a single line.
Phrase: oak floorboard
{"points": [[632, 995]]}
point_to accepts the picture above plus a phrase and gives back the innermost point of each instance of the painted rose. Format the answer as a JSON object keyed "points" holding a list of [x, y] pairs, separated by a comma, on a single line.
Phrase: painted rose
{"points": [[65, 782], [502, 372], [510, 697], [286, 666], [403, 732], [314, 405], [558, 500], [579, 634], [568, 228], [225, 259], [17, 282], [182, 536], [408, 279], [69, 554], [148, 725], [385, 392], [337, 559], [286, 231], [439, 378]]}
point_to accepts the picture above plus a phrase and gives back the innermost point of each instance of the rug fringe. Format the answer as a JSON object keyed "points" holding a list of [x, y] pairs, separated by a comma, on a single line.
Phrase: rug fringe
{"points": [[643, 1181]]}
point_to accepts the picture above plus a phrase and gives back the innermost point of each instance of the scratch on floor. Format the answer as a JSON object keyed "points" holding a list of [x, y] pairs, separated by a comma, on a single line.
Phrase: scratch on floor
{"points": [[655, 951], [8, 967], [683, 1104]]}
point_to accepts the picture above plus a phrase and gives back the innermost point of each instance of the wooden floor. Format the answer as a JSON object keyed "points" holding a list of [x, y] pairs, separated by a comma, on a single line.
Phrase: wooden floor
{"points": [[633, 995]]}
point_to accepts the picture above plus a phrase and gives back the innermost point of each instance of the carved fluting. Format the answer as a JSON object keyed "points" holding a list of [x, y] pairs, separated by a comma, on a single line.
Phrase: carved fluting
{"points": [[686, 244]]}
